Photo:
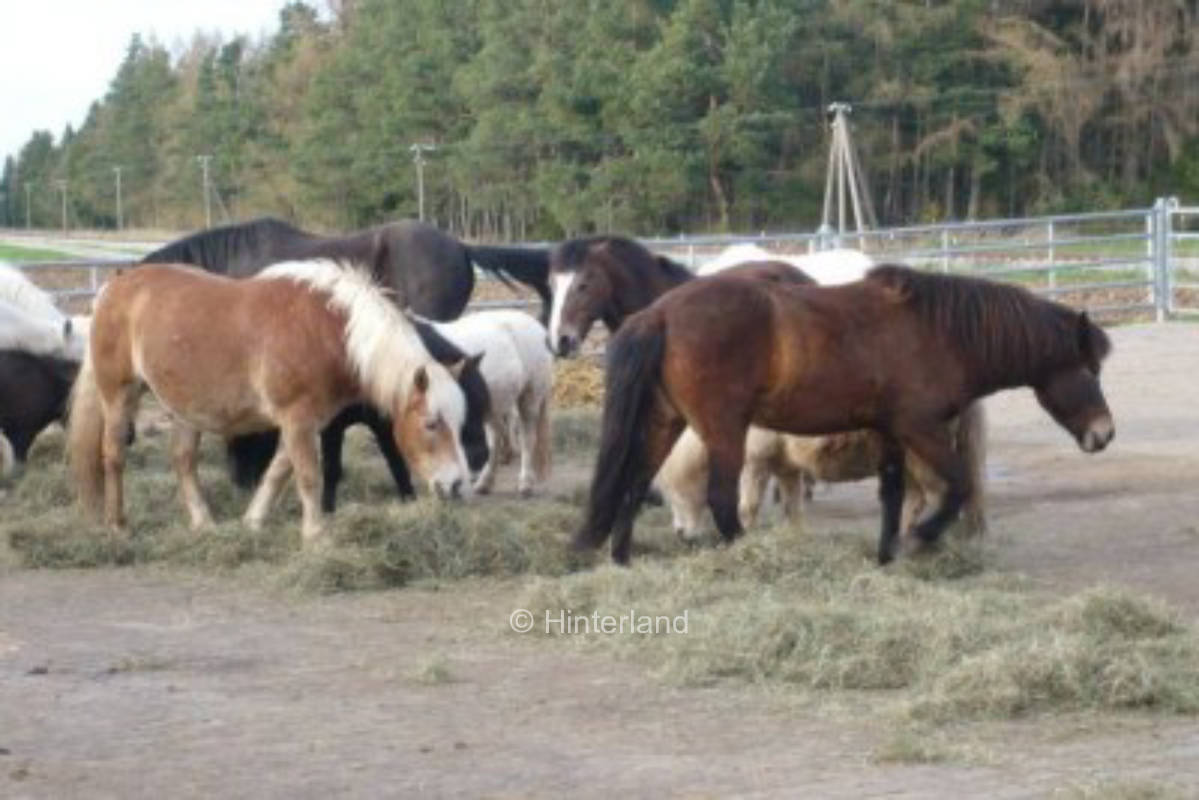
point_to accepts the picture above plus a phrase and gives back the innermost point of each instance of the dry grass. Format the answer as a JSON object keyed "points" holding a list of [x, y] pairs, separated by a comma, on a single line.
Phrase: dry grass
{"points": [[578, 382], [930, 640], [816, 613]]}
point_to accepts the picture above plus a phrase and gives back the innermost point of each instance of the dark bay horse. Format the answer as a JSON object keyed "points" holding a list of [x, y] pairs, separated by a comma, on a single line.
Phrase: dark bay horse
{"points": [[33, 394], [604, 278], [900, 352], [250, 455], [429, 270]]}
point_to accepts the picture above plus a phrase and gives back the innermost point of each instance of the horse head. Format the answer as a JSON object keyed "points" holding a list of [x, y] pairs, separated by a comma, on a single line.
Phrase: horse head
{"points": [[427, 424], [1072, 394]]}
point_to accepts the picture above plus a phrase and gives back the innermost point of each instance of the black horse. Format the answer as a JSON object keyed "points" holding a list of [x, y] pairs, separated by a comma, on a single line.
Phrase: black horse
{"points": [[33, 393], [429, 270], [250, 455]]}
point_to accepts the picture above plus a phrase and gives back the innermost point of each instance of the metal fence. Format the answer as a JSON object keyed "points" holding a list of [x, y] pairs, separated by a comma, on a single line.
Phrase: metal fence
{"points": [[1125, 264]]}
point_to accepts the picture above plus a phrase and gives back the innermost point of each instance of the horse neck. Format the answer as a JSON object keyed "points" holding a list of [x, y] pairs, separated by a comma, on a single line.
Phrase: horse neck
{"points": [[638, 290]]}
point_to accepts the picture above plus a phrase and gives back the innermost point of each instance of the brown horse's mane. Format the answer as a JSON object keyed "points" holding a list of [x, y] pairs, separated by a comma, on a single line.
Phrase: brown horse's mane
{"points": [[1002, 329], [570, 255]]}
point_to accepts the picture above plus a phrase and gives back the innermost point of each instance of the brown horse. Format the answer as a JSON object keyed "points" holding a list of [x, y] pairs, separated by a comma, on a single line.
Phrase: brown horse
{"points": [[286, 349], [900, 352]]}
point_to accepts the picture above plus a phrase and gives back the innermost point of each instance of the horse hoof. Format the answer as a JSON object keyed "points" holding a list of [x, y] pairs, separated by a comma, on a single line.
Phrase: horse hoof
{"points": [[526, 492], [482, 490]]}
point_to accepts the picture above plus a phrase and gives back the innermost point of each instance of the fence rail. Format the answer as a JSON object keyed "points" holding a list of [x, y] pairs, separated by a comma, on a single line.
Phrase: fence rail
{"points": [[1125, 263]]}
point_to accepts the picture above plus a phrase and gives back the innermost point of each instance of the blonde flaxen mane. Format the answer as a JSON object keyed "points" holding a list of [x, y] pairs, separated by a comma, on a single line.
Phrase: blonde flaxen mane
{"points": [[381, 342]]}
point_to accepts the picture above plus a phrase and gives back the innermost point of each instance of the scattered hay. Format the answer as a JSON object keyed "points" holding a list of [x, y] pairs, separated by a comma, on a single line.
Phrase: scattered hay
{"points": [[815, 612], [434, 671], [578, 382]]}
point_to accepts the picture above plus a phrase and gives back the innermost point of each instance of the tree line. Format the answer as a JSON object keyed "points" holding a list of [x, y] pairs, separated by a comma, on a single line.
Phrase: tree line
{"points": [[553, 118]]}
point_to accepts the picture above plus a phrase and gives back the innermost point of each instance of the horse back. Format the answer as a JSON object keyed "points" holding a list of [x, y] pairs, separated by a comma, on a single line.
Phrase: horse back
{"points": [[220, 352]]}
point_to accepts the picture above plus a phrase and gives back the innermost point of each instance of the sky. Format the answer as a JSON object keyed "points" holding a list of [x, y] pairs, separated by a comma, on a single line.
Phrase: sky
{"points": [[57, 56]]}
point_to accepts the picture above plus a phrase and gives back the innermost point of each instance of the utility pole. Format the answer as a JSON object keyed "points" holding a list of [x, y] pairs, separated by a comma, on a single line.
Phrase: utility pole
{"points": [[418, 157], [28, 187], [120, 219], [844, 171], [62, 187], [207, 201]]}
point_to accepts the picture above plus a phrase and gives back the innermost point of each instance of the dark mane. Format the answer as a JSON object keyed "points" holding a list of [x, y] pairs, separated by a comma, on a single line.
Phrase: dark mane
{"points": [[478, 398], [570, 255], [1005, 327], [216, 247]]}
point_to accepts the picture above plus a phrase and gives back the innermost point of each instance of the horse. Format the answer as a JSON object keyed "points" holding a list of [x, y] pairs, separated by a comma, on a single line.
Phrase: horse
{"points": [[429, 270], [251, 454], [900, 352], [826, 267], [610, 277], [30, 321], [33, 393], [294, 345], [607, 278], [519, 369], [795, 461]]}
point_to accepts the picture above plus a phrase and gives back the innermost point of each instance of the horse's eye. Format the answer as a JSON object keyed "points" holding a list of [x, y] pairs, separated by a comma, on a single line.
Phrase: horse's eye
{"points": [[432, 424]]}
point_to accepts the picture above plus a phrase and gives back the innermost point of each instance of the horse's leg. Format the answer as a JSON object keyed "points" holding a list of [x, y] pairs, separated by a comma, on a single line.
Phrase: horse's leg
{"points": [[277, 473], [526, 417], [791, 486], [300, 441], [754, 478], [396, 465], [487, 474], [890, 495], [663, 426], [185, 441], [118, 414], [932, 445], [332, 439], [725, 438]]}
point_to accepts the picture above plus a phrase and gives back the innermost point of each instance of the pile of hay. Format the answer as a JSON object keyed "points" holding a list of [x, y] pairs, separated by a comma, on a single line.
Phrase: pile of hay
{"points": [[578, 382], [945, 640]]}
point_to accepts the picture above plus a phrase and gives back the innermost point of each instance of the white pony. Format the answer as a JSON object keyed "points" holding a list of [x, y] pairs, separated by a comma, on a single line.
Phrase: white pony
{"points": [[683, 477], [826, 267], [30, 321], [518, 368]]}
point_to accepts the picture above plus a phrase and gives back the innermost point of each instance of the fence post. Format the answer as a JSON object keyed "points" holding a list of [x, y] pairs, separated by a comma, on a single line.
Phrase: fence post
{"points": [[1160, 265], [1171, 207], [945, 249]]}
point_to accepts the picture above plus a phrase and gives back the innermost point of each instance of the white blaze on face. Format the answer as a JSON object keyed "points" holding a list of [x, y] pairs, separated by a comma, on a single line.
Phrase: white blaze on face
{"points": [[560, 284]]}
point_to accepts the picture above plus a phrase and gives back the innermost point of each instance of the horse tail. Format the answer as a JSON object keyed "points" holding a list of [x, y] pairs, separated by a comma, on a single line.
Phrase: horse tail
{"points": [[85, 437], [633, 371], [542, 449], [249, 456], [527, 265], [970, 441], [8, 459]]}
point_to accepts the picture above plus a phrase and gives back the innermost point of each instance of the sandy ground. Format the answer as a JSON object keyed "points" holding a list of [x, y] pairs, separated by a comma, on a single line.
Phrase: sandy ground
{"points": [[155, 683]]}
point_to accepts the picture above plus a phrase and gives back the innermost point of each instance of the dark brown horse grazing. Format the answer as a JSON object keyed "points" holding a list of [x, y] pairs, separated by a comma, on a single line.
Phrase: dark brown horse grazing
{"points": [[607, 278], [900, 352]]}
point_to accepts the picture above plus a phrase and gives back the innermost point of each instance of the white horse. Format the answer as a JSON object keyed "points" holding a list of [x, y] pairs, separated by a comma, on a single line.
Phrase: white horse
{"points": [[30, 321], [683, 477], [519, 370]]}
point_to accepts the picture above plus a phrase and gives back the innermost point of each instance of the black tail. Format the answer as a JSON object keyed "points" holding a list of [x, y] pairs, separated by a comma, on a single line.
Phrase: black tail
{"points": [[634, 367], [528, 265], [250, 455]]}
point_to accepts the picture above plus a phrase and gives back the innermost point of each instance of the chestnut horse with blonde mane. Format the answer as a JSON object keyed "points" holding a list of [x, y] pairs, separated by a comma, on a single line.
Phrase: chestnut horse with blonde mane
{"points": [[286, 349], [900, 352]]}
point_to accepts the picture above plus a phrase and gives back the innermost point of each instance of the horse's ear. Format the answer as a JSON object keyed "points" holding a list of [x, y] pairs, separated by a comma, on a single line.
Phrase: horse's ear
{"points": [[456, 368], [67, 329], [476, 359], [420, 381]]}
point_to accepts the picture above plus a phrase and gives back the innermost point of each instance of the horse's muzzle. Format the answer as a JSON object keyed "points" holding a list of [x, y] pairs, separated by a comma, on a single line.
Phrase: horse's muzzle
{"points": [[566, 346], [1098, 435]]}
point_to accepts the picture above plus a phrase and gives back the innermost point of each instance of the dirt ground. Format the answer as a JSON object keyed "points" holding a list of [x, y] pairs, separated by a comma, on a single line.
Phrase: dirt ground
{"points": [[161, 683]]}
